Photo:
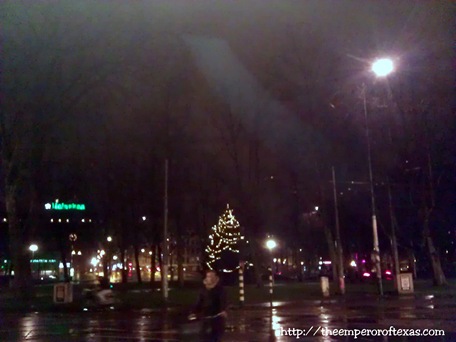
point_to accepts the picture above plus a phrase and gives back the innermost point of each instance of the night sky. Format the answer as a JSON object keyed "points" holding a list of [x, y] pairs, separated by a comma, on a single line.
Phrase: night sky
{"points": [[252, 102]]}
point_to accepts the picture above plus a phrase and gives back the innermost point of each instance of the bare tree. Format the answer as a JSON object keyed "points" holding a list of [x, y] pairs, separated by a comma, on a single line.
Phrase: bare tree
{"points": [[43, 83], [303, 75], [238, 134]]}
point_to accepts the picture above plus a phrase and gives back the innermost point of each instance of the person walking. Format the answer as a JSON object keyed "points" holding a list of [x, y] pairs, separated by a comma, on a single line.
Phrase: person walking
{"points": [[212, 307]]}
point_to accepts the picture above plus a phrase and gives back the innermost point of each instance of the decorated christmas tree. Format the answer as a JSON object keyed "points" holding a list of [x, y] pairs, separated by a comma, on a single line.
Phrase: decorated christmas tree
{"points": [[223, 247]]}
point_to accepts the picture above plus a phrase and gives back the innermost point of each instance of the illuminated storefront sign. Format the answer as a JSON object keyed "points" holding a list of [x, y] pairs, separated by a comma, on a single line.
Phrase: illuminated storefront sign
{"points": [[64, 206], [43, 261]]}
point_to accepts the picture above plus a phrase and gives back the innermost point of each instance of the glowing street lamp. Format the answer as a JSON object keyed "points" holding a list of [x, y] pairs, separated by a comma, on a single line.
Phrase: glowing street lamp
{"points": [[382, 67], [94, 261], [271, 244], [33, 248]]}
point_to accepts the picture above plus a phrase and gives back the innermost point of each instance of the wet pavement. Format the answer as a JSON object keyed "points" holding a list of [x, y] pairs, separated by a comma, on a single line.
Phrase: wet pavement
{"points": [[253, 323]]}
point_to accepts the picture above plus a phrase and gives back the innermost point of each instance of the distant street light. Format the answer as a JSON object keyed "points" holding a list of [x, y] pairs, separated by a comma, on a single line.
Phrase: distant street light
{"points": [[271, 244], [109, 239], [33, 248], [94, 261], [381, 67]]}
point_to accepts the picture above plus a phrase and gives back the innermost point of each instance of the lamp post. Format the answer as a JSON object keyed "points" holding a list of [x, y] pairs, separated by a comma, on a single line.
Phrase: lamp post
{"points": [[108, 258], [33, 248], [72, 237], [165, 258], [381, 68], [271, 244]]}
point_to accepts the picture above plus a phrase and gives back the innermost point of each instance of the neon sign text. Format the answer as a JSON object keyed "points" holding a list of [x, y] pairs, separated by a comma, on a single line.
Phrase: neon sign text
{"points": [[64, 206]]}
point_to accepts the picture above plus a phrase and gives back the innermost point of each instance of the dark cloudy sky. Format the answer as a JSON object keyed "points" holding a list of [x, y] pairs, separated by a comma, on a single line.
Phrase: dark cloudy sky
{"points": [[287, 59]]}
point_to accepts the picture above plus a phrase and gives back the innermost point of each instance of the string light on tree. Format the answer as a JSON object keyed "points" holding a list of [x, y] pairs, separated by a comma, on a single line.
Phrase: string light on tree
{"points": [[223, 248]]}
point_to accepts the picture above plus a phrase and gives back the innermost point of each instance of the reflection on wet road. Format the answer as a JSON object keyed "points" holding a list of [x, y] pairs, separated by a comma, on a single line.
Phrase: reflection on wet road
{"points": [[258, 323], [101, 326]]}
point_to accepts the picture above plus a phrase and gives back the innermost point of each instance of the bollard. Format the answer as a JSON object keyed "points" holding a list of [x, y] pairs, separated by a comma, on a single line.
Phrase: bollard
{"points": [[342, 285], [324, 282], [271, 284], [405, 283], [63, 293], [241, 284], [271, 291]]}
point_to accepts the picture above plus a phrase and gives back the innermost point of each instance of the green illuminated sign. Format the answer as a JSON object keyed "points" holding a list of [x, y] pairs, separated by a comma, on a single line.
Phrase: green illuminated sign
{"points": [[43, 261], [64, 206]]}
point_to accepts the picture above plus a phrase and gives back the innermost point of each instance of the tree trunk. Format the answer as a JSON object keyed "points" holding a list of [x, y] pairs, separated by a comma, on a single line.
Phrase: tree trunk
{"points": [[397, 270], [160, 263], [108, 262], [411, 257], [434, 257], [105, 266], [339, 251], [66, 275], [332, 254], [180, 246], [138, 268], [393, 238], [153, 264], [180, 262], [256, 261], [340, 268], [171, 269], [10, 270], [62, 249], [124, 265], [18, 242]]}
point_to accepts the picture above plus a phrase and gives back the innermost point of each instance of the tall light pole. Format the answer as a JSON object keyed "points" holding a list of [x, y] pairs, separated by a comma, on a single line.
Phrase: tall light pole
{"points": [[271, 244], [165, 251], [340, 256], [381, 68], [108, 258], [33, 248]]}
